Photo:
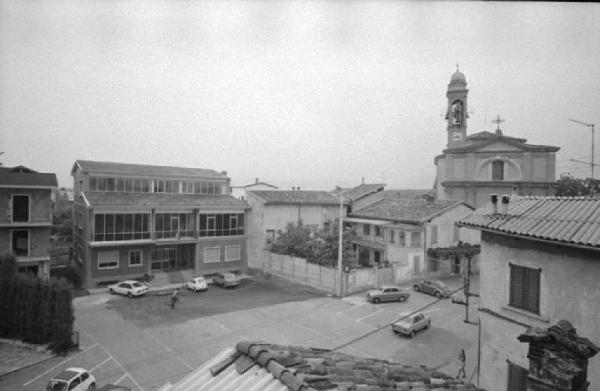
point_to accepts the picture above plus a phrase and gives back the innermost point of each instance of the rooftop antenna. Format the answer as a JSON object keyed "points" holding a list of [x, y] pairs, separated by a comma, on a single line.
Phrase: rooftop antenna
{"points": [[591, 126], [498, 121], [485, 119]]}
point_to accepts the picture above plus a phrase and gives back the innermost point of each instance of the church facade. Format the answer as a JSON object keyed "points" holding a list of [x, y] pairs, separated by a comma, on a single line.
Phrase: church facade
{"points": [[474, 166]]}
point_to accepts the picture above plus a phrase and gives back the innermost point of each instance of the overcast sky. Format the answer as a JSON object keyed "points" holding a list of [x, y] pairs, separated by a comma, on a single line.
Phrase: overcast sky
{"points": [[304, 93]]}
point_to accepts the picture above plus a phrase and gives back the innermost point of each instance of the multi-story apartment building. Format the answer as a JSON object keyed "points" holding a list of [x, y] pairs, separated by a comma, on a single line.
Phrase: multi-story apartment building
{"points": [[26, 203], [131, 220]]}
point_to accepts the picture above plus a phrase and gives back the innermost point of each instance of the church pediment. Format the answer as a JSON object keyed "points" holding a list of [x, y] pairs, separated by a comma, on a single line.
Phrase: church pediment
{"points": [[499, 146]]}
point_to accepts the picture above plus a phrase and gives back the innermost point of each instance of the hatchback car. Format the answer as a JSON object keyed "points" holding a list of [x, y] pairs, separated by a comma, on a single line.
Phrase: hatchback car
{"points": [[226, 280], [432, 287], [72, 379], [196, 284], [410, 325], [387, 293], [128, 288]]}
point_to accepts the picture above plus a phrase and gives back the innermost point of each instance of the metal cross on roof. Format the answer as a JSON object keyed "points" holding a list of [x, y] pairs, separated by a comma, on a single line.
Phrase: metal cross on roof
{"points": [[498, 121]]}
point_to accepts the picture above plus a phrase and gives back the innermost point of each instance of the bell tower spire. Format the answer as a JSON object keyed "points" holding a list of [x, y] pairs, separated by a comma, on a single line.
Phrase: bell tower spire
{"points": [[456, 115]]}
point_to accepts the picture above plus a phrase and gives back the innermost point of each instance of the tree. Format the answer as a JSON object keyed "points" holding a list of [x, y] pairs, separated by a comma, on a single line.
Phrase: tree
{"points": [[569, 186]]}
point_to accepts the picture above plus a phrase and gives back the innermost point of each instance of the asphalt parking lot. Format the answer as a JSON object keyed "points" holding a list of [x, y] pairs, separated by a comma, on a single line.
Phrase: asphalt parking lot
{"points": [[142, 343]]}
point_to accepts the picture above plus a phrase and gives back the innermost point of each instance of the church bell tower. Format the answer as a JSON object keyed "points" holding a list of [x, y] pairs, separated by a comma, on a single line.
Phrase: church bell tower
{"points": [[456, 115]]}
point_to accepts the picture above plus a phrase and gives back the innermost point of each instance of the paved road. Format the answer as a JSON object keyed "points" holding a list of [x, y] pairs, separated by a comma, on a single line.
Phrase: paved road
{"points": [[141, 343]]}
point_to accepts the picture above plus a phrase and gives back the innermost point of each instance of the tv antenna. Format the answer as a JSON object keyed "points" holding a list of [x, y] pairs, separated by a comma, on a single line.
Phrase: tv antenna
{"points": [[591, 126]]}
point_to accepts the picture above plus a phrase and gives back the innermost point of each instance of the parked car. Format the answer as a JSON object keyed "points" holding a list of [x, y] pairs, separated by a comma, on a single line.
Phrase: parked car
{"points": [[196, 284], [387, 293], [226, 280], [432, 287], [72, 379], [128, 288], [410, 325]]}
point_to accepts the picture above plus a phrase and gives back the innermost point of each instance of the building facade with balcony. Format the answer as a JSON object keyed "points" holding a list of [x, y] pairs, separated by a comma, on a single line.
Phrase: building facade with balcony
{"points": [[26, 206], [134, 220], [399, 232]]}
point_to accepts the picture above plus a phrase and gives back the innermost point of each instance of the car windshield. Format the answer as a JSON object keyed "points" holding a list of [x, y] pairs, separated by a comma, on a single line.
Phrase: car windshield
{"points": [[56, 385], [137, 285]]}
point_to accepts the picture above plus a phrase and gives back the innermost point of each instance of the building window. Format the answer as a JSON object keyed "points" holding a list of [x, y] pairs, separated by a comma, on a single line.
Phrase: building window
{"points": [[20, 242], [377, 230], [433, 234], [270, 236], [108, 260], [401, 239], [517, 378], [376, 256], [20, 208], [497, 170], [434, 264], [135, 258], [174, 225], [93, 185], [415, 239], [366, 229], [212, 254], [121, 226], [392, 236], [221, 224], [525, 288], [232, 253]]}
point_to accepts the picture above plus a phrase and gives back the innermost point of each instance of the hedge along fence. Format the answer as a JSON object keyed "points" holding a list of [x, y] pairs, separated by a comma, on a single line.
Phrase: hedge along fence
{"points": [[36, 311]]}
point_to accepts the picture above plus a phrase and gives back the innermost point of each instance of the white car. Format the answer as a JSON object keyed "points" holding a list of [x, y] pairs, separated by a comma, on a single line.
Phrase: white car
{"points": [[128, 288], [72, 379], [196, 284]]}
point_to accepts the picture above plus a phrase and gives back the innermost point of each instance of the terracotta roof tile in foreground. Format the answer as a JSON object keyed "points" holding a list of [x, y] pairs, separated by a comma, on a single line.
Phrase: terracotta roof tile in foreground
{"points": [[570, 220], [264, 366]]}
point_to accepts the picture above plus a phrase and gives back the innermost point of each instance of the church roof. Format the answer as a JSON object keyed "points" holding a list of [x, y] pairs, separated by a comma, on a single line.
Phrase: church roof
{"points": [[479, 140], [458, 77]]}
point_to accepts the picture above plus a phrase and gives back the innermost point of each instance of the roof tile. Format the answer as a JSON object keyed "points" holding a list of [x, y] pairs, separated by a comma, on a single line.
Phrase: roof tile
{"points": [[404, 210], [294, 197], [147, 170], [573, 220], [8, 176], [158, 199]]}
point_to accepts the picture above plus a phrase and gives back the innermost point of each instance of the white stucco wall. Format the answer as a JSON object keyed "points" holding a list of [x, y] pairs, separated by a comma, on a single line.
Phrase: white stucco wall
{"points": [[568, 290]]}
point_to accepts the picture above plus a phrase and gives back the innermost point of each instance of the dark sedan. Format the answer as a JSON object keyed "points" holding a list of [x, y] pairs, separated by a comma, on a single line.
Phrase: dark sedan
{"points": [[432, 287]]}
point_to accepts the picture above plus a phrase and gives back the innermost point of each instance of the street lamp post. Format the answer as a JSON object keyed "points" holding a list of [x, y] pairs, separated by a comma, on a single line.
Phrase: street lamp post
{"points": [[591, 126]]}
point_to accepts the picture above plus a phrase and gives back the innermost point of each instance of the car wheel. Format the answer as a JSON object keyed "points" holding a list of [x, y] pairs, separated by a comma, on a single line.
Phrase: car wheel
{"points": [[129, 295], [438, 294], [412, 334], [92, 387], [111, 291], [416, 288], [402, 299], [376, 300]]}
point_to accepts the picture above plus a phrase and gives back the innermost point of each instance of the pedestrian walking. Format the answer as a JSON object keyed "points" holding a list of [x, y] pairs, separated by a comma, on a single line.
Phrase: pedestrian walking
{"points": [[174, 297], [462, 357]]}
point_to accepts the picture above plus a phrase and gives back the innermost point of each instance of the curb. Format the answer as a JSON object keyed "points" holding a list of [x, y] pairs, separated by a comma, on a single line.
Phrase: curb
{"points": [[27, 366]]}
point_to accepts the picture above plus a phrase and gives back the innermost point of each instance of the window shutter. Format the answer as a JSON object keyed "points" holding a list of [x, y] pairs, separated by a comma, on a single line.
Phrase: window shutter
{"points": [[516, 285], [517, 378], [534, 290]]}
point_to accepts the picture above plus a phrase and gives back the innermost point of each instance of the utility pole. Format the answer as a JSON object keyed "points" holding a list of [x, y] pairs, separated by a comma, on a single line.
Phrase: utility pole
{"points": [[340, 246], [591, 126]]}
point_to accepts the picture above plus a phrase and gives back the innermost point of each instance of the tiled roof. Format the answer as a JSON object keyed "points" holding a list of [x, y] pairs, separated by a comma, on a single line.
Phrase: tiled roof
{"points": [[482, 139], [21, 176], [403, 210], [146, 170], [262, 366], [161, 199], [310, 197], [485, 135], [362, 190], [573, 220]]}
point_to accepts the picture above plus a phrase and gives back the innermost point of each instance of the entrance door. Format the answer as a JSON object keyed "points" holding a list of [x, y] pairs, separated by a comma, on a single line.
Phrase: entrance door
{"points": [[456, 265]]}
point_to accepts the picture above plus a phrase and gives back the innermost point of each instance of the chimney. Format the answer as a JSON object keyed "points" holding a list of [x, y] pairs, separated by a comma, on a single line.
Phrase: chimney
{"points": [[494, 199], [255, 180], [515, 192], [363, 180], [505, 202]]}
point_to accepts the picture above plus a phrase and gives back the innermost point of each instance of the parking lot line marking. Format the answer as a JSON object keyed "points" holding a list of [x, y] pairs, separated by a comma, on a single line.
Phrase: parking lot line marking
{"points": [[111, 356], [371, 314], [169, 350], [99, 365], [58, 365], [121, 378], [219, 324]]}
